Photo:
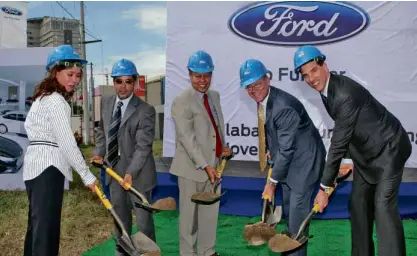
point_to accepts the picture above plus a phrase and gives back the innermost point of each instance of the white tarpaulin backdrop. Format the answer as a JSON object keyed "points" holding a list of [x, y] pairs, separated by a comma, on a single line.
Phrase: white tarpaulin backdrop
{"points": [[375, 43], [13, 18]]}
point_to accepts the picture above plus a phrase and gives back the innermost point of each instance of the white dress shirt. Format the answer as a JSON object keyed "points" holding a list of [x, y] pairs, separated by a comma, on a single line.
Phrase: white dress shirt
{"points": [[49, 122], [125, 103]]}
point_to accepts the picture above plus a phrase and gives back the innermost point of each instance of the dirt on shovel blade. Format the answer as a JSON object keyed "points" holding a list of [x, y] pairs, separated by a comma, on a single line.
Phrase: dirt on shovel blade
{"points": [[283, 243], [258, 233], [204, 196], [165, 204]]}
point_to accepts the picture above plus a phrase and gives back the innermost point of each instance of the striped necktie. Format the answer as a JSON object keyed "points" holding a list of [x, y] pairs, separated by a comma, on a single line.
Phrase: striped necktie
{"points": [[261, 137], [112, 147]]}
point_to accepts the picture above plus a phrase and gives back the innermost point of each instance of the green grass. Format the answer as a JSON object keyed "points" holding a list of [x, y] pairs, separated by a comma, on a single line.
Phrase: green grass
{"points": [[85, 222], [331, 237]]}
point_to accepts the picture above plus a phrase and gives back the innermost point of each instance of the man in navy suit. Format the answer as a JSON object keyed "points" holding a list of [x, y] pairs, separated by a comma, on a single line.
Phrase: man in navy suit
{"points": [[294, 144]]}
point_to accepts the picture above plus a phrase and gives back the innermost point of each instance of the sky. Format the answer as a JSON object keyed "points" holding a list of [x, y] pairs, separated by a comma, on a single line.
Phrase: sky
{"points": [[132, 30]]}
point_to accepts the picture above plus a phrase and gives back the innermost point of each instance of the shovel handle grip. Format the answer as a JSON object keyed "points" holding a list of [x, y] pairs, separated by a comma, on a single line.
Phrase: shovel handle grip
{"points": [[103, 198], [117, 177], [220, 168]]}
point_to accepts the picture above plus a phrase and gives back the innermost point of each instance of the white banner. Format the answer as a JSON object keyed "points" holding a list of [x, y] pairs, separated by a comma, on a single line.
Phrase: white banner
{"points": [[13, 24], [372, 42]]}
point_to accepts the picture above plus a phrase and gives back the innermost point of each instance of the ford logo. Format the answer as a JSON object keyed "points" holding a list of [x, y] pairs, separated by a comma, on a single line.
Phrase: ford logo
{"points": [[11, 10], [291, 23]]}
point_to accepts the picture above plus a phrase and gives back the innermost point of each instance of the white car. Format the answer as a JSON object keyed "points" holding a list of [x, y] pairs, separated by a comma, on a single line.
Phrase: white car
{"points": [[13, 122]]}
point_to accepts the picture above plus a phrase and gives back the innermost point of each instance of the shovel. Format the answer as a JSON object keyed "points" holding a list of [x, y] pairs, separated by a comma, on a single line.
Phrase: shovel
{"points": [[165, 204], [260, 232], [285, 241], [207, 198], [138, 244]]}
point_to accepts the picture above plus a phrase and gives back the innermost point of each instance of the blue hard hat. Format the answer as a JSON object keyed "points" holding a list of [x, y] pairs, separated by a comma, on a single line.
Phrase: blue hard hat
{"points": [[63, 53], [124, 67], [200, 62], [305, 54], [251, 71]]}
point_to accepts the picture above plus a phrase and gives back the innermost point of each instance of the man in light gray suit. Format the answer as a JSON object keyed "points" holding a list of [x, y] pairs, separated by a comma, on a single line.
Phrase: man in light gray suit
{"points": [[124, 137], [200, 142]]}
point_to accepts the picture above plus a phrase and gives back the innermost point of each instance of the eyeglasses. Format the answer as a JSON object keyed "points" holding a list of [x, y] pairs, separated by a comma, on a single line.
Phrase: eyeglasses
{"points": [[255, 87], [70, 64], [126, 82]]}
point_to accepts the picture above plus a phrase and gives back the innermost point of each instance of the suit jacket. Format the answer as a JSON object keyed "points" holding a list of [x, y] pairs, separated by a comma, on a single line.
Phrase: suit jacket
{"points": [[195, 137], [294, 142], [135, 138], [363, 126]]}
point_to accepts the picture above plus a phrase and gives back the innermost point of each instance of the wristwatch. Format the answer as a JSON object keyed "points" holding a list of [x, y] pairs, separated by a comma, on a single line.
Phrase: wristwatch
{"points": [[326, 189], [272, 183]]}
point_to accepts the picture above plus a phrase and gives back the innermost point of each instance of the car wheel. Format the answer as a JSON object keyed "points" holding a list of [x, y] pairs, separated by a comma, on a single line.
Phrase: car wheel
{"points": [[3, 128]]}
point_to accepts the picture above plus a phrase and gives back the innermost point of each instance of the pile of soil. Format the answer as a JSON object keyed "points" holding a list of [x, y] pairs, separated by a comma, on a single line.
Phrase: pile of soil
{"points": [[282, 243], [204, 196], [165, 204], [258, 233]]}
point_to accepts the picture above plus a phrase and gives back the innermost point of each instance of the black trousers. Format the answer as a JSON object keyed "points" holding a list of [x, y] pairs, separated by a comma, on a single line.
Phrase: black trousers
{"points": [[379, 202], [45, 194]]}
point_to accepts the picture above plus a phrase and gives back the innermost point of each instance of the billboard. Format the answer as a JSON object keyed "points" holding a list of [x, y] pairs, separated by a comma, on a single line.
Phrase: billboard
{"points": [[370, 42], [140, 90], [13, 26]]}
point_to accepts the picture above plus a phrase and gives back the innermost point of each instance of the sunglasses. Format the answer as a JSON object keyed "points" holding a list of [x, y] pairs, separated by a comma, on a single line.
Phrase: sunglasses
{"points": [[121, 81], [70, 64]]}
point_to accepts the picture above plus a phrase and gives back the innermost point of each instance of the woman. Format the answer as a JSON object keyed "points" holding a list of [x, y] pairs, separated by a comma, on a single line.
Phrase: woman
{"points": [[52, 151]]}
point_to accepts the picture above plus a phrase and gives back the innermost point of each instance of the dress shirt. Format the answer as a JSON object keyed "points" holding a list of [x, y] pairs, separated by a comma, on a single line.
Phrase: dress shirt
{"points": [[49, 120]]}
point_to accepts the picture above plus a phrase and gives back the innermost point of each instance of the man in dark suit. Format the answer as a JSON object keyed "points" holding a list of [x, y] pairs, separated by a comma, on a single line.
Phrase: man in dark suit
{"points": [[378, 145], [294, 144], [125, 136]]}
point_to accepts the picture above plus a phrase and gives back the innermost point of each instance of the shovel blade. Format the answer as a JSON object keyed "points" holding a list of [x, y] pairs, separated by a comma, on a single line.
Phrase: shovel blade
{"points": [[214, 198], [145, 245], [128, 246], [274, 218]]}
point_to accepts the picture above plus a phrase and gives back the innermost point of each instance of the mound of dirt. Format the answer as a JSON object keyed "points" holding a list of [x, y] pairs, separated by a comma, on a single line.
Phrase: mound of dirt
{"points": [[258, 233], [165, 204], [204, 196], [282, 243]]}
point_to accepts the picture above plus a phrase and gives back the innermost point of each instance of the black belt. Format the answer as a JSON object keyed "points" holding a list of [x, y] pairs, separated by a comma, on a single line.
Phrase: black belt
{"points": [[43, 142]]}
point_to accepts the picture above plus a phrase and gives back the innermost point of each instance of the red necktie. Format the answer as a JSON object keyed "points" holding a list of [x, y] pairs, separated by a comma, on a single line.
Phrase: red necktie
{"points": [[219, 147]]}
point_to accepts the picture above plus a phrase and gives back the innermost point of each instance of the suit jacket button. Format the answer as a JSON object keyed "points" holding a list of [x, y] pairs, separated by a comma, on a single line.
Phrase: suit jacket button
{"points": [[214, 136], [214, 149]]}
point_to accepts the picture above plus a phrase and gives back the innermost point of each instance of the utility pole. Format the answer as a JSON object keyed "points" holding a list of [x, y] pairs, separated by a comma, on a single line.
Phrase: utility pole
{"points": [[86, 110], [93, 114]]}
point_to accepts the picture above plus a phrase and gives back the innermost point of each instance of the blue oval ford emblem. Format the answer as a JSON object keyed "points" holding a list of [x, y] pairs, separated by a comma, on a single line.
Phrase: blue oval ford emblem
{"points": [[11, 10], [291, 23]]}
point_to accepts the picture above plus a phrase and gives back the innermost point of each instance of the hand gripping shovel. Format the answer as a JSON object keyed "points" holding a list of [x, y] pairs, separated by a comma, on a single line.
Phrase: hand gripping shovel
{"points": [[165, 204], [260, 232], [138, 244], [286, 241], [207, 198]]}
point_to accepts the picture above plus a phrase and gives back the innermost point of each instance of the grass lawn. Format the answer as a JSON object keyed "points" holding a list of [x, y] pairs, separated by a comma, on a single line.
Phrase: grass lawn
{"points": [[85, 222]]}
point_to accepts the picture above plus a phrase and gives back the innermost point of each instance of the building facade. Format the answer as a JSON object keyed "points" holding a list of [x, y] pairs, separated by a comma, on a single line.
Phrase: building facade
{"points": [[52, 31]]}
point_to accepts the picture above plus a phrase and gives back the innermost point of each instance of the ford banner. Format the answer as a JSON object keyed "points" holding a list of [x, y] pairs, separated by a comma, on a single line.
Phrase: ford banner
{"points": [[374, 43]]}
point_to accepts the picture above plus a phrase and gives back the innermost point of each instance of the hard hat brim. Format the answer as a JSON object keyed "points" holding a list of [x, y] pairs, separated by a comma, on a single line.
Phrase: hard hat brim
{"points": [[202, 70], [298, 68], [248, 82]]}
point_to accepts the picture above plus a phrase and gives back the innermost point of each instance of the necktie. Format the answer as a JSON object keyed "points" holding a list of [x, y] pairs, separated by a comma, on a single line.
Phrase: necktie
{"points": [[261, 137], [112, 146], [219, 147], [325, 102]]}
